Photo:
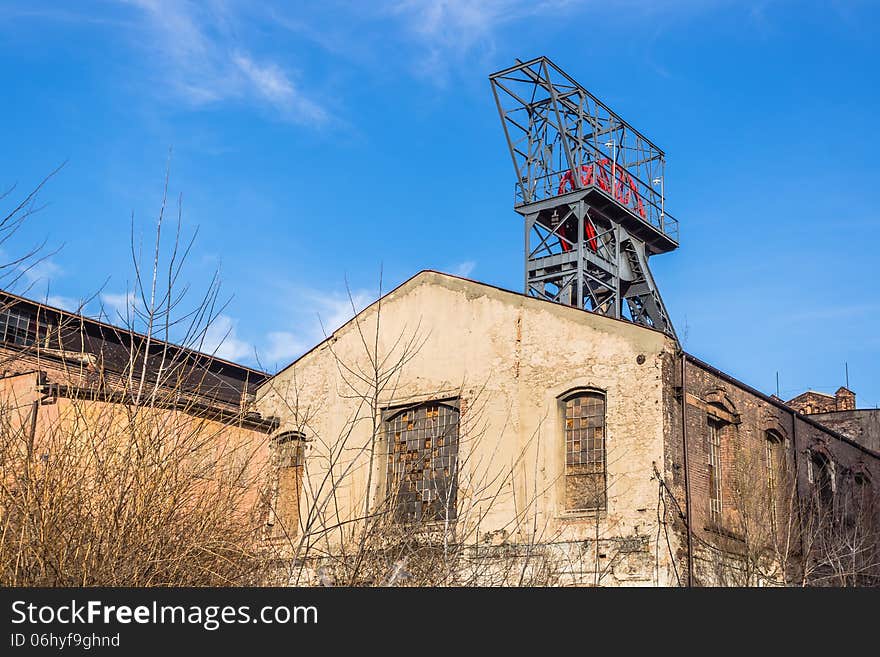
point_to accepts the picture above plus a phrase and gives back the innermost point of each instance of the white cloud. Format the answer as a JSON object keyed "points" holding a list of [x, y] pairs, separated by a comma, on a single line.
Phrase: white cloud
{"points": [[318, 315], [117, 307], [65, 303], [460, 21], [221, 340], [269, 80], [284, 346], [465, 268], [335, 310], [451, 30], [449, 33], [41, 271], [199, 53], [271, 83]]}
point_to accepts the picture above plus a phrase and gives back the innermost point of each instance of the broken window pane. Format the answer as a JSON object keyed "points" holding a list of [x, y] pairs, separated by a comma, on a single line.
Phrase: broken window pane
{"points": [[585, 452], [423, 461]]}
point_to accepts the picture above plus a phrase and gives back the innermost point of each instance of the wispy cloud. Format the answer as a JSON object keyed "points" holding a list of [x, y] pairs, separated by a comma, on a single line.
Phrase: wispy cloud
{"points": [[197, 50], [270, 82], [464, 269], [65, 303], [221, 339], [226, 51], [318, 315], [334, 310], [453, 30], [116, 307], [449, 33], [41, 271], [283, 346]]}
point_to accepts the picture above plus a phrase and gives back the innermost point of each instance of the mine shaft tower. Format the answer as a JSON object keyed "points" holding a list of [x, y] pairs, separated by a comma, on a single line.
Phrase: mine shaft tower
{"points": [[590, 188]]}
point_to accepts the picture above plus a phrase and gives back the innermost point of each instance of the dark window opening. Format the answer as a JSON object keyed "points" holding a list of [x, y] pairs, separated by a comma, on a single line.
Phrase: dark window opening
{"points": [[861, 503], [823, 481]]}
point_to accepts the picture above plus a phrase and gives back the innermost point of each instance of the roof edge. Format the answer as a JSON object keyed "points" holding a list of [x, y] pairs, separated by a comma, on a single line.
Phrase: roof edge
{"points": [[120, 329], [778, 404], [425, 272]]}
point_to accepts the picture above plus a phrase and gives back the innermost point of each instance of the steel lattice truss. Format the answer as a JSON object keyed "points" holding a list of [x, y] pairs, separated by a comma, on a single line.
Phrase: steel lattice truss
{"points": [[590, 188]]}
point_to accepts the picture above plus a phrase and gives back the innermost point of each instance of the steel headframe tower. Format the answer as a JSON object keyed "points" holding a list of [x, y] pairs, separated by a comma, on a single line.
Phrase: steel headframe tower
{"points": [[590, 188]]}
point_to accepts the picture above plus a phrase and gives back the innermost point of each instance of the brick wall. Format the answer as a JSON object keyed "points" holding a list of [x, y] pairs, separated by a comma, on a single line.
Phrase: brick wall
{"points": [[745, 416], [818, 402]]}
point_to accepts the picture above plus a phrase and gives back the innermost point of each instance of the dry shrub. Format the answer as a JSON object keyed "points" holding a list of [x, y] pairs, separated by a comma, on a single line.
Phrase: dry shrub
{"points": [[134, 477], [116, 495]]}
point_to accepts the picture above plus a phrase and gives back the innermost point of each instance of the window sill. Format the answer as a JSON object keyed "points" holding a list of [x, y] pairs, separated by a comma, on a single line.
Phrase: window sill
{"points": [[426, 526], [582, 515], [718, 530]]}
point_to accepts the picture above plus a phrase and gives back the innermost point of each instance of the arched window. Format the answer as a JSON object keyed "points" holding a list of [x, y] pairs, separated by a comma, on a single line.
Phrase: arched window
{"points": [[862, 481], [422, 475], [287, 450], [715, 472], [775, 446], [822, 478], [721, 414], [585, 476], [861, 502]]}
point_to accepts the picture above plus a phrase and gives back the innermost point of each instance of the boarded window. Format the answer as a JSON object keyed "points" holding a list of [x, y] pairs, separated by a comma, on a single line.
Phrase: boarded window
{"points": [[714, 470], [422, 471], [584, 414], [284, 515]]}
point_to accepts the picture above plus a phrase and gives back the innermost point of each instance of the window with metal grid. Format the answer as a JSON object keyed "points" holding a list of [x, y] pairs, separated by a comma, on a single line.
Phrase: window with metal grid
{"points": [[422, 471], [714, 471], [17, 327], [585, 451]]}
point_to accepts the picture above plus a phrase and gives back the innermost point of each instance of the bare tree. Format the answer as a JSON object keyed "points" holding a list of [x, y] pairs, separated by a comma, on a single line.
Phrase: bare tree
{"points": [[776, 535], [16, 265], [130, 476]]}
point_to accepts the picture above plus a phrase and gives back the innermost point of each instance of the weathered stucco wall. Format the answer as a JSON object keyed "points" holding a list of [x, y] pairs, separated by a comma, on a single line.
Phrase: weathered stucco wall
{"points": [[73, 429], [509, 358]]}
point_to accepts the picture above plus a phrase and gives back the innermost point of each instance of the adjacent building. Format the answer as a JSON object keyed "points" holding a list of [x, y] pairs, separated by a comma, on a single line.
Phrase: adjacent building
{"points": [[839, 412], [65, 375]]}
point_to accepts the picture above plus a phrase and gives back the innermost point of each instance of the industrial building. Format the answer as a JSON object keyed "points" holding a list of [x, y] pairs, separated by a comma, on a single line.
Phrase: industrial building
{"points": [[566, 425], [557, 436]]}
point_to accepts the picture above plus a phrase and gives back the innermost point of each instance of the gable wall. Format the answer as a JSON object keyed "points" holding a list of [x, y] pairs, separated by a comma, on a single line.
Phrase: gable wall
{"points": [[509, 358]]}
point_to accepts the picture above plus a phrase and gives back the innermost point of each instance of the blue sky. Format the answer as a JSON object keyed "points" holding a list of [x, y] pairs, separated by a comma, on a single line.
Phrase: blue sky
{"points": [[314, 143]]}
